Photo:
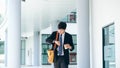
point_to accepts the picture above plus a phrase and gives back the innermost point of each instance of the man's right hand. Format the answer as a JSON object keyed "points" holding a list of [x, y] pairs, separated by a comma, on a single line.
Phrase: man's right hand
{"points": [[57, 42]]}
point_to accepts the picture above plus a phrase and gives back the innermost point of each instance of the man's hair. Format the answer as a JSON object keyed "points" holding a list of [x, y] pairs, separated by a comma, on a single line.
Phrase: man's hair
{"points": [[62, 25]]}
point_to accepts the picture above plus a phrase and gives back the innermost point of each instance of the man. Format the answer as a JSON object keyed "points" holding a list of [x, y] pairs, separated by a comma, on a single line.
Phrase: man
{"points": [[64, 44]]}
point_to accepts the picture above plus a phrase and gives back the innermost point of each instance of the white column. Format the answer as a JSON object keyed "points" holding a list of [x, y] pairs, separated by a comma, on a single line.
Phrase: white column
{"points": [[83, 44], [5, 49], [14, 33], [29, 44], [117, 43], [36, 48]]}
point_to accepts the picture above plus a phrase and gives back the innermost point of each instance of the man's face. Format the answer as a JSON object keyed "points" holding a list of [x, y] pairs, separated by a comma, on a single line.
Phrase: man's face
{"points": [[61, 31]]}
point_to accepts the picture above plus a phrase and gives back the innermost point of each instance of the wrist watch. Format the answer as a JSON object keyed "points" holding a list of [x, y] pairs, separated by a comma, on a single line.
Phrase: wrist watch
{"points": [[53, 41]]}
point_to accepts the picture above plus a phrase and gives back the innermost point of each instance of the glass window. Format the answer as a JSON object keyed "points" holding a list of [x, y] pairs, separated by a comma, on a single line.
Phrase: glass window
{"points": [[44, 36], [44, 59], [22, 52], [45, 47], [109, 46], [73, 54], [70, 18], [1, 47]]}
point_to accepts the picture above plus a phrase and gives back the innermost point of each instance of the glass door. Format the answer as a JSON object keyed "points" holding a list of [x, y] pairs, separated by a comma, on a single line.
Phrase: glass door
{"points": [[109, 46]]}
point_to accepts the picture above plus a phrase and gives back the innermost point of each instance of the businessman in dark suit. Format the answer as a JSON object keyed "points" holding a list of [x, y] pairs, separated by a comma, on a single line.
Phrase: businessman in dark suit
{"points": [[64, 44]]}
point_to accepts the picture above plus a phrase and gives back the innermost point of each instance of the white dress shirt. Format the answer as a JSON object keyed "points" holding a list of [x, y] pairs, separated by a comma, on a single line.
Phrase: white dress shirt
{"points": [[63, 37]]}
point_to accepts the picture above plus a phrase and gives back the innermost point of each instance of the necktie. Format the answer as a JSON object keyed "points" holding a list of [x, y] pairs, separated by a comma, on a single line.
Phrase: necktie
{"points": [[60, 47]]}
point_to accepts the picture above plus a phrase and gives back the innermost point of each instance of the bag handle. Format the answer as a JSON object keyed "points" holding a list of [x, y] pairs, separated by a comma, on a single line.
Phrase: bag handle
{"points": [[56, 39]]}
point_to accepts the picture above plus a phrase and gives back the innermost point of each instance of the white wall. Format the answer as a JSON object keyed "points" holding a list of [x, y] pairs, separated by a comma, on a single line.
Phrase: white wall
{"points": [[29, 44], [103, 12]]}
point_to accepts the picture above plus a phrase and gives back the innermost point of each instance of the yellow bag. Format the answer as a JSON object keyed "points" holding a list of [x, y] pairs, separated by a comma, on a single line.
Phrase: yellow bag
{"points": [[51, 52], [50, 56]]}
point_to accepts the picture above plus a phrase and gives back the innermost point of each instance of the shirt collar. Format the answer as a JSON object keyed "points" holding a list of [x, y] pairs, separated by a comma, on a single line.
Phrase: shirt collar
{"points": [[63, 34]]}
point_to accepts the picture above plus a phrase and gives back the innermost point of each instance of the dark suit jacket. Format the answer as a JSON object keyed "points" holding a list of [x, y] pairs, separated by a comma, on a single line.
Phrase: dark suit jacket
{"points": [[67, 40]]}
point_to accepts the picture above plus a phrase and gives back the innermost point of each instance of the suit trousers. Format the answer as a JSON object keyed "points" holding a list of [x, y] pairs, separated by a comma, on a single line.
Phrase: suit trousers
{"points": [[60, 63]]}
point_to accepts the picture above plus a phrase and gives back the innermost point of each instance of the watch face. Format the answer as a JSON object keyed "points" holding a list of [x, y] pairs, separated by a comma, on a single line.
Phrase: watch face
{"points": [[2, 10]]}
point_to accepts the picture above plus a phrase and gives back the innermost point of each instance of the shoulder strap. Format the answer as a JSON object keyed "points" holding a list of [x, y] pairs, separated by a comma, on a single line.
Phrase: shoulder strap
{"points": [[56, 39]]}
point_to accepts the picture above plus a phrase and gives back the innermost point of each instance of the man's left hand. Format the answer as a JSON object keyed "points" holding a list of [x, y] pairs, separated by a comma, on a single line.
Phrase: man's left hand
{"points": [[67, 46]]}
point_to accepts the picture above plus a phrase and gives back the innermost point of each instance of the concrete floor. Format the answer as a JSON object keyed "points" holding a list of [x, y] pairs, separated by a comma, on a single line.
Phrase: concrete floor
{"points": [[44, 66]]}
